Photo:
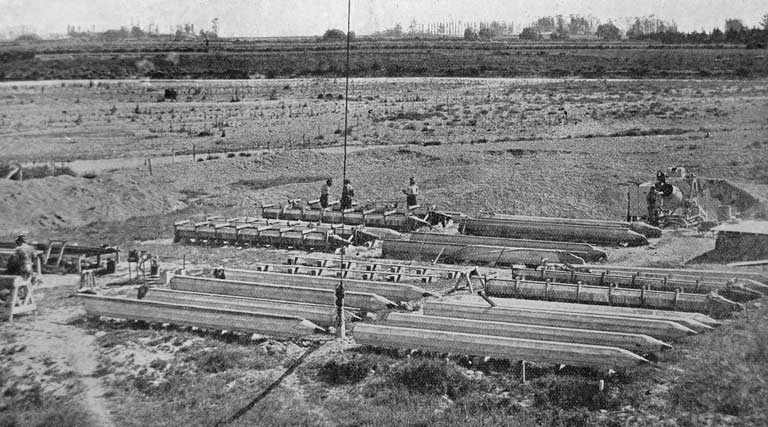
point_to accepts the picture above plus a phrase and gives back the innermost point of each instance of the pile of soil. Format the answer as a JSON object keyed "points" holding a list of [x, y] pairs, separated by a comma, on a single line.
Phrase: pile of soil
{"points": [[66, 201]]}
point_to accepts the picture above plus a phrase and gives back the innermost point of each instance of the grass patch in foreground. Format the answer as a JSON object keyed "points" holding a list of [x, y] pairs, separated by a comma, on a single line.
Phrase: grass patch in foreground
{"points": [[24, 403]]}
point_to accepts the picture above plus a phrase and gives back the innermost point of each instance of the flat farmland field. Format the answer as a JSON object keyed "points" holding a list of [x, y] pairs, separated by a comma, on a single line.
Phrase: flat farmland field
{"points": [[528, 146], [127, 163]]}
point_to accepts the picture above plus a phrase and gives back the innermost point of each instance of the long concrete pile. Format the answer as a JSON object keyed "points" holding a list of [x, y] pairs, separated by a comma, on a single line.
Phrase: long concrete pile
{"points": [[199, 316], [495, 346], [560, 232], [646, 230], [323, 315], [540, 331], [750, 280], [659, 328], [393, 291], [403, 219], [581, 250], [261, 231], [639, 280], [610, 295], [698, 322], [360, 300], [478, 254], [641, 344]]}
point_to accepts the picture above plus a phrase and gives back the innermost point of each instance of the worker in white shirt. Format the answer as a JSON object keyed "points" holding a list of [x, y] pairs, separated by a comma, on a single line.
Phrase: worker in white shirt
{"points": [[411, 192]]}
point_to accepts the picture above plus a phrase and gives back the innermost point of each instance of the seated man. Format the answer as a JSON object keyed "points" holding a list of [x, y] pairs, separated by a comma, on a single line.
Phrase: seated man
{"points": [[22, 260]]}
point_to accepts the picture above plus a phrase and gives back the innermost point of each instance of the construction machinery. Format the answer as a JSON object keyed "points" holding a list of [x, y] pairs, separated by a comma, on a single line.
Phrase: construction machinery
{"points": [[673, 200]]}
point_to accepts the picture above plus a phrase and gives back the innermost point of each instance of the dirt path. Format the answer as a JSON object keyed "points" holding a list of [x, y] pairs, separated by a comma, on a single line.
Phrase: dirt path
{"points": [[61, 357]]}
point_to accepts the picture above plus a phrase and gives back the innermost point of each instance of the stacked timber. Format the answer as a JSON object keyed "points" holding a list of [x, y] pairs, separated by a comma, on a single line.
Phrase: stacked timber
{"points": [[581, 250], [389, 290], [646, 230], [261, 231], [659, 328], [477, 254], [598, 235], [610, 295], [754, 281], [495, 346], [376, 215], [364, 301], [737, 291], [322, 315], [198, 316]]}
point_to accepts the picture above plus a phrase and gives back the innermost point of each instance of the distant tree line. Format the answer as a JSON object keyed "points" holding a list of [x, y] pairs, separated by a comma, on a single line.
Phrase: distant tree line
{"points": [[736, 33]]}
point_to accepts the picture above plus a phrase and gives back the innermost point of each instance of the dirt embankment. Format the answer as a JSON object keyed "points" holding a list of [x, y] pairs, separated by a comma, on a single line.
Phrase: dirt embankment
{"points": [[67, 202]]}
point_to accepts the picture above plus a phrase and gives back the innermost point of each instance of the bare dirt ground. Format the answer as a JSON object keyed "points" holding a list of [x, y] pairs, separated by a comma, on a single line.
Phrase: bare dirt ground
{"points": [[541, 147]]}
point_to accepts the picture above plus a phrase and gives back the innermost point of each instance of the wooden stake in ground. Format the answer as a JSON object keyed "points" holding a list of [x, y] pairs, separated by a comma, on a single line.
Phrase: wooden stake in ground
{"points": [[340, 321]]}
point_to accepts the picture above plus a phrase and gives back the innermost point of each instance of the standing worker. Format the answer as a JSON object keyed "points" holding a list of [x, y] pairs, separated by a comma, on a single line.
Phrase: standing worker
{"points": [[20, 263], [347, 193], [411, 192], [653, 211], [324, 192]]}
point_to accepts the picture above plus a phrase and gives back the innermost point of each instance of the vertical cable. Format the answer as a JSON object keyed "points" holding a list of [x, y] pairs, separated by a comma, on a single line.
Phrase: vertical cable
{"points": [[340, 321]]}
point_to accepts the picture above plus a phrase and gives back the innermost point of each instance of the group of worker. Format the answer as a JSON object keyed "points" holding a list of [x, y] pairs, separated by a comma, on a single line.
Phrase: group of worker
{"points": [[347, 193]]}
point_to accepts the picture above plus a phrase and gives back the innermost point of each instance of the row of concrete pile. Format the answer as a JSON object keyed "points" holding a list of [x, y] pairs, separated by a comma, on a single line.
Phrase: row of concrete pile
{"points": [[560, 333], [375, 265], [558, 229], [710, 303], [646, 230], [581, 250], [391, 275], [273, 303], [460, 253], [381, 215], [705, 295], [280, 305], [279, 233], [732, 288]]}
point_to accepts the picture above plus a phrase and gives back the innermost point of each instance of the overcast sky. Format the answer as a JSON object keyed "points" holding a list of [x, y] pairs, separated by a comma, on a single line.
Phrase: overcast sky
{"points": [[312, 17]]}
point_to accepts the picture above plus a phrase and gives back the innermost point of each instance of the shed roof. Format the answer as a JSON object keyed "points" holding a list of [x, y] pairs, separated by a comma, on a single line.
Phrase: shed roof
{"points": [[746, 227]]}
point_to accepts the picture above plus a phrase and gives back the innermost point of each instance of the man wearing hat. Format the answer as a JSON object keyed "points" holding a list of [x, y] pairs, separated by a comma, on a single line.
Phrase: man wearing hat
{"points": [[20, 263]]}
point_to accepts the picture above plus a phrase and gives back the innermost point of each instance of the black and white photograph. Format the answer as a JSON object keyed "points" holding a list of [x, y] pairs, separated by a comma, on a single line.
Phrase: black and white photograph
{"points": [[383, 213]]}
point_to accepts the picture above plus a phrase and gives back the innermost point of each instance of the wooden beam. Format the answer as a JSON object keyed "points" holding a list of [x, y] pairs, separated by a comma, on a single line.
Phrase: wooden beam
{"points": [[493, 346], [202, 317], [640, 344], [660, 329]]}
